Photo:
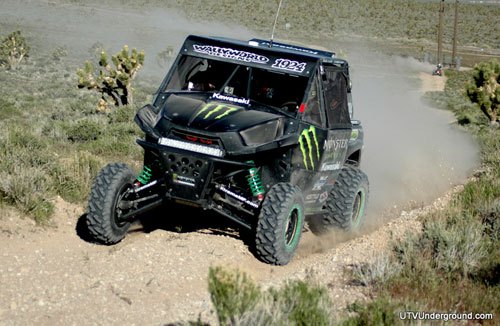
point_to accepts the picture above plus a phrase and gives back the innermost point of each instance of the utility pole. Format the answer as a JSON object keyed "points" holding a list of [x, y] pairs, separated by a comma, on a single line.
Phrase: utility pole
{"points": [[440, 33], [454, 48]]}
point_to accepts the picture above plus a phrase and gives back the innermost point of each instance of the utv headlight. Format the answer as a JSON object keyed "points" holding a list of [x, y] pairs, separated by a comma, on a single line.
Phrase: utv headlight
{"points": [[263, 133]]}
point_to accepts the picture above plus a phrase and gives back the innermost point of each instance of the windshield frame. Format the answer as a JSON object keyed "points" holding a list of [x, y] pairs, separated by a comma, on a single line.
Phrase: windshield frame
{"points": [[288, 85]]}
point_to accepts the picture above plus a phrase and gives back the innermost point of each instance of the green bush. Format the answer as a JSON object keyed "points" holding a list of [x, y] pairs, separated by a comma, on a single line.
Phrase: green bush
{"points": [[380, 311], [84, 131], [113, 83], [13, 50], [73, 177], [484, 90], [24, 181], [232, 294], [238, 301]]}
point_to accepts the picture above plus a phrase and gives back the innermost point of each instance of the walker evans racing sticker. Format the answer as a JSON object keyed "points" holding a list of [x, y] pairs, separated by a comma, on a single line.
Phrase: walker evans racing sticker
{"points": [[216, 111]]}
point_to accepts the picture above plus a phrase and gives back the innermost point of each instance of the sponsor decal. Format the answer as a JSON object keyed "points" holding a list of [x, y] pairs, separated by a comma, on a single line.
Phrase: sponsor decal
{"points": [[217, 111], [354, 134], [230, 53], [291, 47], [309, 147], [334, 144], [231, 99], [290, 65], [331, 166], [180, 179], [312, 197], [323, 197], [239, 197], [318, 185]]}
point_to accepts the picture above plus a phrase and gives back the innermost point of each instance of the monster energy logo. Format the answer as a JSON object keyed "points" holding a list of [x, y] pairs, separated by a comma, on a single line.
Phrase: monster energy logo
{"points": [[216, 111], [308, 141]]}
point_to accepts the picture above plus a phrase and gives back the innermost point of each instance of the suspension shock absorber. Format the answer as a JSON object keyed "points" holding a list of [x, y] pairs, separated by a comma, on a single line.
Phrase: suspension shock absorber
{"points": [[255, 183], [145, 175]]}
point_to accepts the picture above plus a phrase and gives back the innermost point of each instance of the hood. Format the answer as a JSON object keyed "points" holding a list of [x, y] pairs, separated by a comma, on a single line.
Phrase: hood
{"points": [[212, 115]]}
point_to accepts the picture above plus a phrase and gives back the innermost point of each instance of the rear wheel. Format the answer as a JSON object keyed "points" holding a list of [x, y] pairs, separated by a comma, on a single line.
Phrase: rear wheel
{"points": [[280, 224], [345, 204], [107, 205]]}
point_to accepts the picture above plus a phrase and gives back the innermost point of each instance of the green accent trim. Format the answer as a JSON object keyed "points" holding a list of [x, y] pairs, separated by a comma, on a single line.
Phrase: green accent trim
{"points": [[217, 109], [354, 134], [303, 150], [292, 245], [231, 110], [205, 108], [361, 212], [315, 137], [210, 106], [305, 134]]}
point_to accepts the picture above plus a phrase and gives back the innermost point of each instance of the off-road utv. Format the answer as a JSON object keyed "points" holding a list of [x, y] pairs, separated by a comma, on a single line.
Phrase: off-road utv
{"points": [[258, 132]]}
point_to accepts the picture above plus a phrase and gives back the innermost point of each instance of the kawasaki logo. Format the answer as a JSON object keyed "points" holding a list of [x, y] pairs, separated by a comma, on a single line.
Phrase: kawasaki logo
{"points": [[309, 147], [216, 111]]}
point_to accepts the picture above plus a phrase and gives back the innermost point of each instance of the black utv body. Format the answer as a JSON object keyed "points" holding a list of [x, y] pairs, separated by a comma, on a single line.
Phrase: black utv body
{"points": [[259, 132]]}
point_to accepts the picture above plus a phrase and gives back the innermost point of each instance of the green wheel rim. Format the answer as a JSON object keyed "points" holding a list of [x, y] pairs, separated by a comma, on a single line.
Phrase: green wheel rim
{"points": [[292, 228], [358, 207]]}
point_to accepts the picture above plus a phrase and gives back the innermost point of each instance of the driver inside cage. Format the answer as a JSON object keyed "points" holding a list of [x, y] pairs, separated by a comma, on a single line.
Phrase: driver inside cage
{"points": [[200, 80]]}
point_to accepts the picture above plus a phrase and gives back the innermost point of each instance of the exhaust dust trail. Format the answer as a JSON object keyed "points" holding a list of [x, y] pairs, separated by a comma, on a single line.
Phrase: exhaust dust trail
{"points": [[79, 27], [413, 153]]}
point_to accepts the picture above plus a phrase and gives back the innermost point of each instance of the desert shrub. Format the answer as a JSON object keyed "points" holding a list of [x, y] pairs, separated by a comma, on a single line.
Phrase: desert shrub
{"points": [[13, 50], [113, 83], [232, 294], [123, 114], [59, 53], [379, 271], [380, 311], [485, 89], [24, 181], [74, 176], [7, 109], [302, 303], [84, 130], [164, 57], [238, 301]]}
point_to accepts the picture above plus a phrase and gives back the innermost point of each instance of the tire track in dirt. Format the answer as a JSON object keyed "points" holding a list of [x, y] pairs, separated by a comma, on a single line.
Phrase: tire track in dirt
{"points": [[158, 275]]}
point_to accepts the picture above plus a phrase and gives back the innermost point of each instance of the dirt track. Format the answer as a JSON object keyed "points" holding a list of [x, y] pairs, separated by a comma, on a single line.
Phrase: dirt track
{"points": [[54, 277], [157, 275]]}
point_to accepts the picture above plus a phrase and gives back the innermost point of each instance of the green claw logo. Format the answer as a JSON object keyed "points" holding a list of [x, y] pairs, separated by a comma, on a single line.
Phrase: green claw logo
{"points": [[307, 146], [222, 110]]}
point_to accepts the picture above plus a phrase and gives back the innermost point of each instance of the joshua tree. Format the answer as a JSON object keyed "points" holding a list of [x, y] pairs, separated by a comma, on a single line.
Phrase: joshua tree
{"points": [[485, 89], [13, 50], [114, 83]]}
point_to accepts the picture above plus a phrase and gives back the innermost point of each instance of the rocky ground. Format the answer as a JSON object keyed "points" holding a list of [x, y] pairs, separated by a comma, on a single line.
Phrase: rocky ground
{"points": [[158, 274], [51, 276]]}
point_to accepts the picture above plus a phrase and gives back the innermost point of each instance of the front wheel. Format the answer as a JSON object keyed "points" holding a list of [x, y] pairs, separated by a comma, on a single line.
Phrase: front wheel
{"points": [[346, 203], [280, 224], [106, 203]]}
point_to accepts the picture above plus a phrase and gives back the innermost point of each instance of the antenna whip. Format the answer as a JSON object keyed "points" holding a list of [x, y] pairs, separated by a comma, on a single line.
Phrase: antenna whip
{"points": [[275, 21]]}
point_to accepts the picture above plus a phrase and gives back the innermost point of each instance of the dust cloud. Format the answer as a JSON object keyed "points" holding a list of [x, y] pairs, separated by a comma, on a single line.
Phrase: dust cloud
{"points": [[79, 27], [413, 153]]}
